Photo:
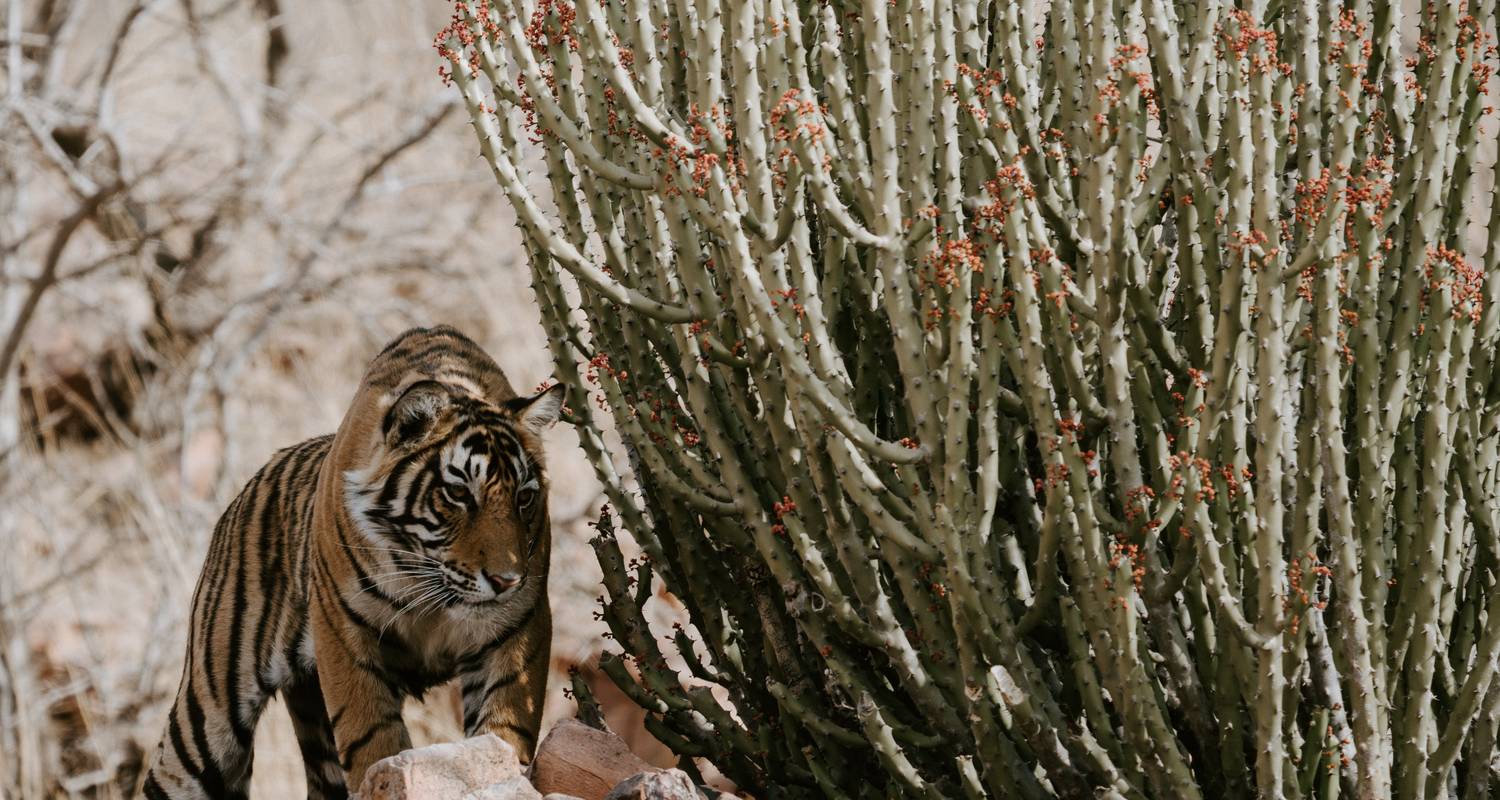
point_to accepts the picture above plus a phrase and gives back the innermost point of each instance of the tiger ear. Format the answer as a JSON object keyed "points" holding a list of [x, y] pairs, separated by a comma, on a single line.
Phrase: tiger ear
{"points": [[538, 412], [414, 412]]}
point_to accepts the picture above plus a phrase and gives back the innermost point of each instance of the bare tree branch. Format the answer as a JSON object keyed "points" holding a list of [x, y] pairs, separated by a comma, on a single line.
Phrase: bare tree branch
{"points": [[47, 277]]}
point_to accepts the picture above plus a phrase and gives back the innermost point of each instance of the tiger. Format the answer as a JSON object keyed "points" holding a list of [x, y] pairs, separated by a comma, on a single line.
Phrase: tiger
{"points": [[357, 569]]}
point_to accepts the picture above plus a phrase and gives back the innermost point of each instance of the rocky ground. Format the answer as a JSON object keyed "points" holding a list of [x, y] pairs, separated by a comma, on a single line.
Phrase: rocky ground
{"points": [[573, 761]]}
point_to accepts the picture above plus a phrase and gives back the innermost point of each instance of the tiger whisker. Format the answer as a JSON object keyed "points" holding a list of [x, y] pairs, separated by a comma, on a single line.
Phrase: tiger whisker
{"points": [[421, 581], [410, 573], [433, 602], [398, 551], [438, 591], [397, 614], [407, 571]]}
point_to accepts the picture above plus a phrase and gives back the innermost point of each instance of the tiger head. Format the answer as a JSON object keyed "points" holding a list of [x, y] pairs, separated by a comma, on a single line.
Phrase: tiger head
{"points": [[454, 495]]}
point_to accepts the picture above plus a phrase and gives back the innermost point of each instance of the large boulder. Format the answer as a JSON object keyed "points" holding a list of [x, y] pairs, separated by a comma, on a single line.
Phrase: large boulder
{"points": [[583, 762], [517, 788], [449, 772]]}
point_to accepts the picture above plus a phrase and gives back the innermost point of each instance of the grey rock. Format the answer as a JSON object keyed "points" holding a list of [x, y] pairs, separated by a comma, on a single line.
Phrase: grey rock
{"points": [[514, 789], [445, 771], [670, 784]]}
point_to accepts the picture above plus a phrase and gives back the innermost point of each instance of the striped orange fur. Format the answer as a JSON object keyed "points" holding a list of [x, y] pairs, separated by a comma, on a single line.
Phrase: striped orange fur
{"points": [[358, 569]]}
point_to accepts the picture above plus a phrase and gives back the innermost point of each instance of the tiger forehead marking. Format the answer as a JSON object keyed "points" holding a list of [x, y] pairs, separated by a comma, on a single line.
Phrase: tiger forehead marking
{"points": [[474, 456], [479, 456], [357, 569]]}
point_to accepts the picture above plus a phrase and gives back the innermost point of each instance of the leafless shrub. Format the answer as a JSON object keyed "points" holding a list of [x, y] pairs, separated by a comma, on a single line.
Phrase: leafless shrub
{"points": [[205, 229]]}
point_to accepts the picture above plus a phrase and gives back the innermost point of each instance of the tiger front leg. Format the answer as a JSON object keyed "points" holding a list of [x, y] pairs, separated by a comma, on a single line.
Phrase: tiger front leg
{"points": [[504, 693], [363, 706]]}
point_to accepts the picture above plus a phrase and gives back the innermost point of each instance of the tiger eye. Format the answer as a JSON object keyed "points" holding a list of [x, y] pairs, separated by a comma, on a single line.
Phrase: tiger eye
{"points": [[456, 495], [526, 498]]}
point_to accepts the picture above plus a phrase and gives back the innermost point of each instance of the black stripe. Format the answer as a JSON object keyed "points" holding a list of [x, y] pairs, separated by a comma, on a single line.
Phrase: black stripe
{"points": [[179, 745], [315, 747], [455, 339], [473, 717], [471, 682], [354, 658], [401, 339], [270, 567], [416, 496], [348, 610], [479, 710], [153, 790], [314, 734], [470, 662], [347, 759], [398, 472], [440, 348], [362, 580], [226, 535], [320, 599], [399, 522], [525, 733], [210, 590], [476, 443], [292, 525], [501, 683], [238, 772], [209, 776], [287, 614], [236, 584], [271, 493], [329, 790], [377, 670], [487, 415], [291, 650]]}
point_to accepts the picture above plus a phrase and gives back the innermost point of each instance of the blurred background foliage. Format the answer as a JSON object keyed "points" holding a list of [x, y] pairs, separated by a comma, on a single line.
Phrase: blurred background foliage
{"points": [[212, 214]]}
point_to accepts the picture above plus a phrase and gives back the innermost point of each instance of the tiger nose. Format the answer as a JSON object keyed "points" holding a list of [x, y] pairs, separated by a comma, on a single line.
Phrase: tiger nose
{"points": [[503, 581]]}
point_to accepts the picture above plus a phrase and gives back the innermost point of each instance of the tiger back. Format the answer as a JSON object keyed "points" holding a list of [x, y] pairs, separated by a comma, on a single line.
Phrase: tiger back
{"points": [[359, 569]]}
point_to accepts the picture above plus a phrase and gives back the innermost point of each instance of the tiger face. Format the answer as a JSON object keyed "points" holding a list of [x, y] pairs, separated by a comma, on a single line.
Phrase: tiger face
{"points": [[455, 497]]}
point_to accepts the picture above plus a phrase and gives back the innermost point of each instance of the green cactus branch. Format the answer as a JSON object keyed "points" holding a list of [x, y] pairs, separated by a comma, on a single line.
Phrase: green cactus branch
{"points": [[1071, 399]]}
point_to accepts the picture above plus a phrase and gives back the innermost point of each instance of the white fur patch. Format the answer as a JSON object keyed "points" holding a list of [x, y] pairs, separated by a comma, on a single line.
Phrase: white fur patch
{"points": [[359, 501]]}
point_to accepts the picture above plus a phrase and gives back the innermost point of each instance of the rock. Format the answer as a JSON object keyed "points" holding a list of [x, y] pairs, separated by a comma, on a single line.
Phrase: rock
{"points": [[516, 788], [582, 762], [671, 784], [445, 771]]}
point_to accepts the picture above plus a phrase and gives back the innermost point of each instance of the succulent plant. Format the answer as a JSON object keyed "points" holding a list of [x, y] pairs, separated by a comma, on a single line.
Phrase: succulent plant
{"points": [[1028, 399]]}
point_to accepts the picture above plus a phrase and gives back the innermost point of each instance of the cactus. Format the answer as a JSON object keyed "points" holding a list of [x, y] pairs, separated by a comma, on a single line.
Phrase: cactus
{"points": [[1085, 398]]}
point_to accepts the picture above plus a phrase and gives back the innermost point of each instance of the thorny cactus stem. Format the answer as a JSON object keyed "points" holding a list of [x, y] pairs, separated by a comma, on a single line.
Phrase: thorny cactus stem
{"points": [[1029, 399]]}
